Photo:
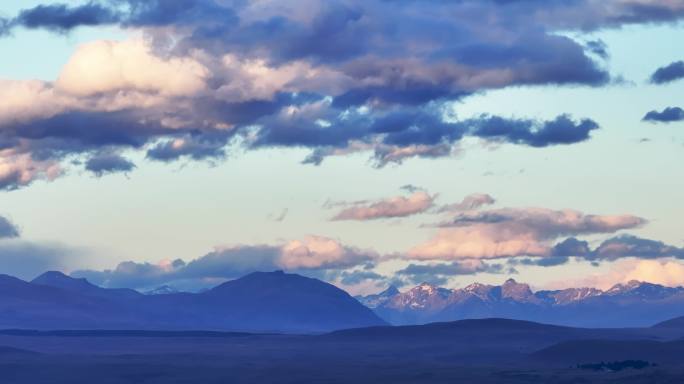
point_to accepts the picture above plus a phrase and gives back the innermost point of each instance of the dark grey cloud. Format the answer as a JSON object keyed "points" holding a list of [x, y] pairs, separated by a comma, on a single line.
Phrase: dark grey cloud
{"points": [[621, 246], [667, 115], [104, 163], [551, 261], [668, 73], [127, 13], [440, 273], [411, 188], [80, 131], [417, 132], [62, 18], [334, 20], [7, 229], [355, 277], [561, 130], [633, 246], [571, 247], [598, 47], [197, 146]]}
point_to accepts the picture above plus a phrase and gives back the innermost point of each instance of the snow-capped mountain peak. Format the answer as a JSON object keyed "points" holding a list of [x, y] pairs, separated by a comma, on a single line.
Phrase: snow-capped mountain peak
{"points": [[427, 302], [163, 290]]}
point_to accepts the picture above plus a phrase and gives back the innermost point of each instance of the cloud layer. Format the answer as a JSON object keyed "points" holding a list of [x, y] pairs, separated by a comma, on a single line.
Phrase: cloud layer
{"points": [[335, 77], [511, 232], [311, 255]]}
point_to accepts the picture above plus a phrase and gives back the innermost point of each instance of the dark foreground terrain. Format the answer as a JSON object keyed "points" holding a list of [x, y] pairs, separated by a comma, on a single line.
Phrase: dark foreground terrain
{"points": [[474, 351]]}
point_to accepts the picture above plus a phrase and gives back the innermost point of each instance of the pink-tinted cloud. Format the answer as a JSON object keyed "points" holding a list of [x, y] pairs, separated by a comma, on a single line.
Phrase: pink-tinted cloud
{"points": [[399, 206], [315, 252], [668, 272], [18, 170], [510, 232]]}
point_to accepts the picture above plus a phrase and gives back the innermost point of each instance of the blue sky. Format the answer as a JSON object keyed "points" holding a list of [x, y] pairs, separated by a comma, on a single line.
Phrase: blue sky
{"points": [[262, 195]]}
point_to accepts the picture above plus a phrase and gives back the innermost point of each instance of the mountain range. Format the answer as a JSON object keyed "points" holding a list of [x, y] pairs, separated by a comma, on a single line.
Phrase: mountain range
{"points": [[258, 302], [633, 304], [290, 303]]}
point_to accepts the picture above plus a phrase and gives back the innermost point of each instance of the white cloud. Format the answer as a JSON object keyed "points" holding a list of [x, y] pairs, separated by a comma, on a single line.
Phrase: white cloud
{"points": [[109, 66]]}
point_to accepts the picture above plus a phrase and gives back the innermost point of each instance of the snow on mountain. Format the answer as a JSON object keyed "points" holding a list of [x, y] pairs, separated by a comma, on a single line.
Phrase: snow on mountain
{"points": [[163, 290], [374, 301], [629, 304], [424, 297]]}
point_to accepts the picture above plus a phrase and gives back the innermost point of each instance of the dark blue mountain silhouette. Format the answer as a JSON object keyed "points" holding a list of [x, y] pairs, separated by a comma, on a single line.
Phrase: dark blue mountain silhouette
{"points": [[262, 301]]}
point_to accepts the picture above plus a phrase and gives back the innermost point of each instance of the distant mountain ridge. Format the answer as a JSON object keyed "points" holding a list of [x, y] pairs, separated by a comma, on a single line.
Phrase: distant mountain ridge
{"points": [[258, 302], [624, 305]]}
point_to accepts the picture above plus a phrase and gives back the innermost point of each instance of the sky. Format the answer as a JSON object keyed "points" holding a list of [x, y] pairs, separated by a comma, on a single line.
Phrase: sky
{"points": [[366, 143]]}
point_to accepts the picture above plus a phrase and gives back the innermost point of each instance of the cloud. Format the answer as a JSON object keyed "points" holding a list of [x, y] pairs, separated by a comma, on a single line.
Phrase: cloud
{"points": [[402, 134], [512, 232], [114, 66], [668, 115], [668, 73], [664, 271], [599, 48], [281, 216], [398, 206], [614, 248], [571, 247], [197, 147], [561, 130], [440, 273], [356, 277], [27, 260], [336, 77], [7, 229], [5, 26], [410, 188], [335, 19], [62, 18], [632, 246], [317, 252], [17, 170], [310, 255], [549, 261], [470, 202], [103, 163]]}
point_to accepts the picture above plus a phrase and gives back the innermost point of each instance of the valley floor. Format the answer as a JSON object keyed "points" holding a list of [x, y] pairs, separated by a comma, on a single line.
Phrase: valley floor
{"points": [[495, 351], [153, 369]]}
